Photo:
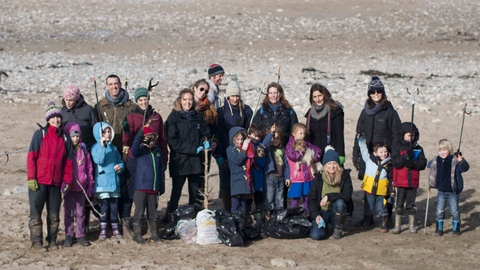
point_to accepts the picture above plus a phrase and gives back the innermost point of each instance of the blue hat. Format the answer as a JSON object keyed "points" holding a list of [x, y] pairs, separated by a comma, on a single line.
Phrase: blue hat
{"points": [[330, 155]]}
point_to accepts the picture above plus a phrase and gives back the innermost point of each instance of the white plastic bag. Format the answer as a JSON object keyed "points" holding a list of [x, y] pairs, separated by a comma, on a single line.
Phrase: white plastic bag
{"points": [[187, 231], [207, 228]]}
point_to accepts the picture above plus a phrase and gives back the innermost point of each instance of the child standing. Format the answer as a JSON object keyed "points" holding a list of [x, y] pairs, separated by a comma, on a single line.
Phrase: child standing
{"points": [[74, 199], [376, 182], [278, 172], [408, 159], [446, 175], [49, 164], [301, 178], [240, 159], [149, 181], [107, 181]]}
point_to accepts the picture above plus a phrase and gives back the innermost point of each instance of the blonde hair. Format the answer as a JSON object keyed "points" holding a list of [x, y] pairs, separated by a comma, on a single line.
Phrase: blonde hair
{"points": [[333, 180], [445, 144], [298, 126]]}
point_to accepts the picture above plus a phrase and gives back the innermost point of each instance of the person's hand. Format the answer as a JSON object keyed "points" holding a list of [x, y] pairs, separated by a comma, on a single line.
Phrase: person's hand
{"points": [[319, 220], [32, 184], [360, 135], [288, 182], [214, 146], [125, 150], [125, 126], [102, 141], [245, 144], [459, 157], [206, 145], [391, 199], [219, 160], [117, 168], [66, 189], [409, 163], [323, 202], [342, 160], [140, 132], [199, 149], [409, 154], [273, 128]]}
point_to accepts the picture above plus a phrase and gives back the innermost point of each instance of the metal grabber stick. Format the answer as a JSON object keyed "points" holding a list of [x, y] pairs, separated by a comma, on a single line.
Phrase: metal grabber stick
{"points": [[258, 100], [426, 211], [414, 95], [461, 131]]}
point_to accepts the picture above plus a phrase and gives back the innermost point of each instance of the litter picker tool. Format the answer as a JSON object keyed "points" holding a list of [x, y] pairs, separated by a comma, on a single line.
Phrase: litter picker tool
{"points": [[414, 95], [150, 87], [426, 212], [278, 75], [96, 96], [256, 105], [7, 154], [461, 131]]}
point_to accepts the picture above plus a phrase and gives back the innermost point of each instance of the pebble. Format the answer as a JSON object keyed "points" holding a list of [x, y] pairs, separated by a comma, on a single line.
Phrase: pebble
{"points": [[281, 262]]}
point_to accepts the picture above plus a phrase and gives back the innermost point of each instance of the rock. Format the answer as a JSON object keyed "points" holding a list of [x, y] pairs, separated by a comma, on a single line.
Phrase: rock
{"points": [[7, 192], [281, 262]]}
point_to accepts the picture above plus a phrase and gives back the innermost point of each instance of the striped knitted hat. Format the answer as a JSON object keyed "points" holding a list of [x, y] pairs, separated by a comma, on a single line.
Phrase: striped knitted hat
{"points": [[375, 85], [215, 69], [52, 111]]}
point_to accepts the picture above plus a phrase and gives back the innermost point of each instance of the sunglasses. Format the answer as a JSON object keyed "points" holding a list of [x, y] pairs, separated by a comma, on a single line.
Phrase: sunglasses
{"points": [[375, 92], [203, 89]]}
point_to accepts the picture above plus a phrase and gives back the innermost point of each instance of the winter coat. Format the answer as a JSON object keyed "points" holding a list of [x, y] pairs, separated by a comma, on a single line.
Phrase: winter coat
{"points": [[114, 115], [258, 169], [81, 163], [317, 130], [49, 158], [154, 121], [84, 115], [284, 117], [403, 176], [239, 183], [315, 194], [184, 136], [375, 182], [271, 163], [228, 117], [456, 173], [149, 173], [107, 180], [305, 174], [383, 126]]}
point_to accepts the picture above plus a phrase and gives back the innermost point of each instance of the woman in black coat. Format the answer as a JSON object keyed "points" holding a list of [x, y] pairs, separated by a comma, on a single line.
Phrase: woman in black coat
{"points": [[325, 121], [186, 132]]}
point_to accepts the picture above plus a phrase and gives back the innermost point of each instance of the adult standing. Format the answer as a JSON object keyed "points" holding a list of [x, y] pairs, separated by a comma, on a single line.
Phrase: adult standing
{"points": [[215, 78], [233, 113], [204, 106], [187, 132], [144, 115], [325, 121], [75, 109]]}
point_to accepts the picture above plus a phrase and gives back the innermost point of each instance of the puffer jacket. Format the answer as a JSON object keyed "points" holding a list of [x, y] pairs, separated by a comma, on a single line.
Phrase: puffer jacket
{"points": [[49, 158], [85, 116], [149, 173], [184, 136], [378, 173], [457, 169], [304, 174], [283, 117]]}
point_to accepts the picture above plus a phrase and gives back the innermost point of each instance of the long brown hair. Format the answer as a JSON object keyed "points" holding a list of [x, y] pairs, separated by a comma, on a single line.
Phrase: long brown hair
{"points": [[178, 100], [327, 97], [383, 101], [279, 93]]}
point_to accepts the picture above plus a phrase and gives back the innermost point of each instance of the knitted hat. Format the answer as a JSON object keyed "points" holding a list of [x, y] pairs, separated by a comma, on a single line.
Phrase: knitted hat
{"points": [[141, 92], [375, 85], [71, 92], [52, 111], [233, 89], [330, 155], [215, 69]]}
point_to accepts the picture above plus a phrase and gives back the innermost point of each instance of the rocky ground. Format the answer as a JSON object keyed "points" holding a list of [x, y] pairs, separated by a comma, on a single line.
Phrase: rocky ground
{"points": [[432, 46]]}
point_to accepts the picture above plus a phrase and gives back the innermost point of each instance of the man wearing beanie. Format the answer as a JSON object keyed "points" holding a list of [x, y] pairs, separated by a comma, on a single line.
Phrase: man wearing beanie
{"points": [[215, 77], [75, 109], [49, 164]]}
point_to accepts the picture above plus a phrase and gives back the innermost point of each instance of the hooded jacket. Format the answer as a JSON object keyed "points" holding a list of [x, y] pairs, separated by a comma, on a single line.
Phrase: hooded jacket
{"points": [[149, 173], [237, 162], [107, 180], [378, 173], [82, 163], [304, 174], [457, 168], [49, 158], [184, 136], [84, 115], [403, 176], [283, 117]]}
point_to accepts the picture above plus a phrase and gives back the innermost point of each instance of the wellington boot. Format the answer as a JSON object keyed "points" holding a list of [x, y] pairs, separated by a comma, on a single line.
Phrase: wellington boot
{"points": [[38, 246], [398, 224], [383, 224], [456, 228], [154, 232], [137, 232], [339, 225], [411, 224], [439, 230]]}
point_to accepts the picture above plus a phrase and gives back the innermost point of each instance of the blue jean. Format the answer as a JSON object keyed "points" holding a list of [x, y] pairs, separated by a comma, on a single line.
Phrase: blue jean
{"points": [[452, 199], [109, 205], [275, 187], [374, 202], [339, 206]]}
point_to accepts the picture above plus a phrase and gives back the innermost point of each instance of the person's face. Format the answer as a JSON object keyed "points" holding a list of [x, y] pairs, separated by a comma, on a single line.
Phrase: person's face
{"points": [[113, 86], [201, 91], [275, 141], [317, 97], [254, 138], [331, 167], [217, 79], [443, 153], [409, 136], [69, 103], [381, 152], [107, 134], [143, 103], [75, 140], [234, 100], [55, 121], [273, 95], [186, 101], [376, 96], [238, 140], [299, 134]]}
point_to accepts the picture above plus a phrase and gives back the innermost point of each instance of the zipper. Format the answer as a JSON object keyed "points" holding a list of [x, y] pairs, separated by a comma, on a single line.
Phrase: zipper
{"points": [[154, 169]]}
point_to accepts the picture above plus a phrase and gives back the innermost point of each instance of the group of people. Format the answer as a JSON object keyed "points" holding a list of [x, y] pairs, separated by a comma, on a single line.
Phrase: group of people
{"points": [[115, 154]]}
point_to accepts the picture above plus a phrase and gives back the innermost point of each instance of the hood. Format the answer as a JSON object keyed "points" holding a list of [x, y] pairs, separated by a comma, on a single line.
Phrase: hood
{"points": [[71, 126], [233, 131], [407, 128], [99, 127]]}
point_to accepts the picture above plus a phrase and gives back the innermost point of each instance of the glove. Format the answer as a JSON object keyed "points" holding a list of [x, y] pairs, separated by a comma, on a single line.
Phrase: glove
{"points": [[321, 224], [409, 163], [140, 132], [342, 160], [32, 184], [361, 139], [199, 149], [410, 154], [219, 161], [125, 126], [206, 145], [66, 189]]}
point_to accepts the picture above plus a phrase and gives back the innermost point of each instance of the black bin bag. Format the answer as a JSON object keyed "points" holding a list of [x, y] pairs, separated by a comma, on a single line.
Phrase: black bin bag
{"points": [[291, 223]]}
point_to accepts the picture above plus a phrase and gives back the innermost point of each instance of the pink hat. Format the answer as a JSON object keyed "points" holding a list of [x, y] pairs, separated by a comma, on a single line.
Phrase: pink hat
{"points": [[71, 92]]}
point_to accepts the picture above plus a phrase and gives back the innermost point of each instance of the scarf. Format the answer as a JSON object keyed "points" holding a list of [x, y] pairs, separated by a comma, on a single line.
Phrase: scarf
{"points": [[188, 114], [328, 188], [209, 112], [248, 164], [120, 100], [275, 107], [318, 112], [373, 110]]}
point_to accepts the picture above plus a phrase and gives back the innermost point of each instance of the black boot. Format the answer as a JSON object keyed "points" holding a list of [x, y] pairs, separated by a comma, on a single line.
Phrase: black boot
{"points": [[154, 232], [339, 224], [137, 232], [127, 225], [68, 241]]}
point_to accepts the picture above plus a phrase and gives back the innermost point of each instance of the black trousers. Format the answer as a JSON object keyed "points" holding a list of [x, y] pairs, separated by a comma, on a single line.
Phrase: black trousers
{"points": [[195, 183], [405, 196], [144, 201], [127, 180], [51, 197]]}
